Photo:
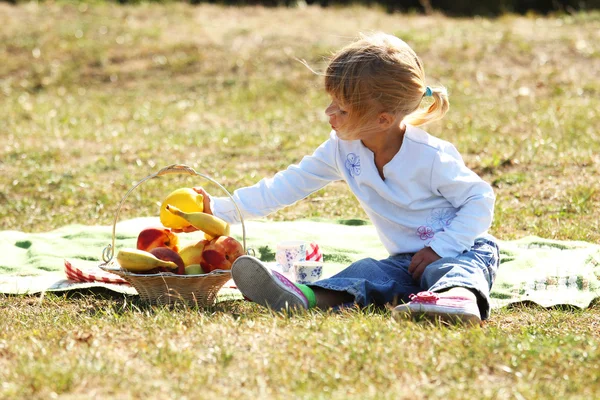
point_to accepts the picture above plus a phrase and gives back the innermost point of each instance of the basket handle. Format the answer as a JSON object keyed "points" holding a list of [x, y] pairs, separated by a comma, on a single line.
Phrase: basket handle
{"points": [[109, 252]]}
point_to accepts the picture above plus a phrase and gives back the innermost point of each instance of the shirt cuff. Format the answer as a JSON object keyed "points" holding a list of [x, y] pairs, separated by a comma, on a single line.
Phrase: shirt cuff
{"points": [[445, 249], [224, 208]]}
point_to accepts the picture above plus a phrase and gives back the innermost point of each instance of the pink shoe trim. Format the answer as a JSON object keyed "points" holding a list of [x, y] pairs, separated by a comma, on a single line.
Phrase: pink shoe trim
{"points": [[424, 297], [289, 284], [432, 305], [434, 298], [266, 287]]}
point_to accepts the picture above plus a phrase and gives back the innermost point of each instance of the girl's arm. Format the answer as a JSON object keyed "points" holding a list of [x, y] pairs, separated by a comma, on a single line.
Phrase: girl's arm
{"points": [[283, 189], [466, 191]]}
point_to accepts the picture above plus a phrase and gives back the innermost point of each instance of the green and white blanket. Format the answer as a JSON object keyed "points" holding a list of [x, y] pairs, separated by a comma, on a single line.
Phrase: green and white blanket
{"points": [[546, 272]]}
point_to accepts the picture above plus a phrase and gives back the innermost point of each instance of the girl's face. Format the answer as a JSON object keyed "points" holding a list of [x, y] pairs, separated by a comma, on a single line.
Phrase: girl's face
{"points": [[338, 119], [345, 128]]}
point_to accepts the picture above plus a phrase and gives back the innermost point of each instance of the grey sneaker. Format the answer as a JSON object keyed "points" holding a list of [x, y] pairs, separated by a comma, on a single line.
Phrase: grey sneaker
{"points": [[431, 306], [266, 287]]}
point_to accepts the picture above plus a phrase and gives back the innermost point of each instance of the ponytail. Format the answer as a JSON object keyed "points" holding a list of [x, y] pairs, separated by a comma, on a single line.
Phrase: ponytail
{"points": [[434, 112]]}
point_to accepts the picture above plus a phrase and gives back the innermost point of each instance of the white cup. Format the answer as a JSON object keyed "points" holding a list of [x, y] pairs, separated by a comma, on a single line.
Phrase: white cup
{"points": [[289, 252], [306, 272]]}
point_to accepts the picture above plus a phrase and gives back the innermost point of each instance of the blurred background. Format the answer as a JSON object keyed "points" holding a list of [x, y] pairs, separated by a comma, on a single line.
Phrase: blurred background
{"points": [[96, 96], [448, 7]]}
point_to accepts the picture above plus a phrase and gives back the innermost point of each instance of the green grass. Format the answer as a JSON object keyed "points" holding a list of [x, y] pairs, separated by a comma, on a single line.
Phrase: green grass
{"points": [[93, 98], [88, 347]]}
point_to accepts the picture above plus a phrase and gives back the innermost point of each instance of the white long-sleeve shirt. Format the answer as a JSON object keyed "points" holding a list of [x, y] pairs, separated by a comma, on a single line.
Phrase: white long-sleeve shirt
{"points": [[428, 198]]}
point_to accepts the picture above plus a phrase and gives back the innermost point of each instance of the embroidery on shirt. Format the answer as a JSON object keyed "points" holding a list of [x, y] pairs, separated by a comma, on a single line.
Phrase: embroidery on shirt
{"points": [[353, 164], [425, 232], [439, 220]]}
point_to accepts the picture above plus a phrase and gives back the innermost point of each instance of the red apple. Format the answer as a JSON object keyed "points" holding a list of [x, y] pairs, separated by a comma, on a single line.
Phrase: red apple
{"points": [[220, 253], [167, 254], [151, 238]]}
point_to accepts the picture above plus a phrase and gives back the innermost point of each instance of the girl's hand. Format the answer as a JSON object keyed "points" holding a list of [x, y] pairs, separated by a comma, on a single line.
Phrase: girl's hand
{"points": [[205, 199], [420, 261], [206, 208], [187, 229]]}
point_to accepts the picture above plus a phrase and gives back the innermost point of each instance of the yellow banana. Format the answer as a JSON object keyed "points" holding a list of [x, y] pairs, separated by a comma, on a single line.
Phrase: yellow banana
{"points": [[135, 260], [209, 224], [208, 237]]}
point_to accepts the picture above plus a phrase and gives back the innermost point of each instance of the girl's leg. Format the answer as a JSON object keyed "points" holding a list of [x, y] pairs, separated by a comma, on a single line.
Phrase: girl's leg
{"points": [[470, 274], [367, 281], [327, 298], [364, 282]]}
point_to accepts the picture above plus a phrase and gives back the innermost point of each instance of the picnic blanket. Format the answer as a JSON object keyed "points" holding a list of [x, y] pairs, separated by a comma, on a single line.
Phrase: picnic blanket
{"points": [[532, 270]]}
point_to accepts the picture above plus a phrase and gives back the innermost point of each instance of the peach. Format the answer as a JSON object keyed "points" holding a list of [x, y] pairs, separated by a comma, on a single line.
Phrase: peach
{"points": [[151, 238], [192, 254], [166, 254], [220, 253]]}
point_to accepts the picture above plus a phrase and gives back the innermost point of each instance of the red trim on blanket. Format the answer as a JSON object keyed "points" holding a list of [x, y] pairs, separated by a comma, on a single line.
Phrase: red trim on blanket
{"points": [[93, 274]]}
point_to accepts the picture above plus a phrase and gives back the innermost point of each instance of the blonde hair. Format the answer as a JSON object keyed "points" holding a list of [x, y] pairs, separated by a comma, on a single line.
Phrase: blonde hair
{"points": [[381, 73]]}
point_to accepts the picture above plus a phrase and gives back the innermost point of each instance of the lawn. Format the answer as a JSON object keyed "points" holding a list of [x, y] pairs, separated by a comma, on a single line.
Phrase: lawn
{"points": [[95, 97]]}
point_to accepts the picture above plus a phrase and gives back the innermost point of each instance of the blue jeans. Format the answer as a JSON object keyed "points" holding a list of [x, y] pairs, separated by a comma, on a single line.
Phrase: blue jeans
{"points": [[388, 281]]}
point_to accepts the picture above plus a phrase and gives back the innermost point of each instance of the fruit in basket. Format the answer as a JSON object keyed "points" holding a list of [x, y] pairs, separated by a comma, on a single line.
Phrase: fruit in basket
{"points": [[194, 269], [166, 254], [207, 223], [192, 254], [151, 238], [140, 261], [220, 253], [185, 199]]}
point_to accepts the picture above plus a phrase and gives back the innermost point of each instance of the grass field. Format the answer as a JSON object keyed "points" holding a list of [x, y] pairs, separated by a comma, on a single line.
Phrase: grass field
{"points": [[95, 97]]}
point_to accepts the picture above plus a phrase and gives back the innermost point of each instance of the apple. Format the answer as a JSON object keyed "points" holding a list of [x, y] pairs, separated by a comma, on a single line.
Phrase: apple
{"points": [[220, 253], [151, 238], [192, 254], [194, 269], [166, 254]]}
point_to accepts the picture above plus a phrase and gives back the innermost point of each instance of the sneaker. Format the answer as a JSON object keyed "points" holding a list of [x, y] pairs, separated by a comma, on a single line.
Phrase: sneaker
{"points": [[432, 306], [266, 287]]}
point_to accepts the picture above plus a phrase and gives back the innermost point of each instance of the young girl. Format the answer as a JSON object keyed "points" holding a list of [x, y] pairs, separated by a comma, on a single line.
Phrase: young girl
{"points": [[430, 211]]}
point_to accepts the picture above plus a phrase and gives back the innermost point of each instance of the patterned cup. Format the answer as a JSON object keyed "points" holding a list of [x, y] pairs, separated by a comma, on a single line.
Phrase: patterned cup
{"points": [[289, 252], [306, 272]]}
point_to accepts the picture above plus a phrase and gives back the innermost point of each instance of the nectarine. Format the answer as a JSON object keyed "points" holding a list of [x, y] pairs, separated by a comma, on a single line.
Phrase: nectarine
{"points": [[167, 254], [151, 238], [220, 253]]}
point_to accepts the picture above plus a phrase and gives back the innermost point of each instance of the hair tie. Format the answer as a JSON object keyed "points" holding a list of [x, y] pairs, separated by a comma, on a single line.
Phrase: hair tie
{"points": [[428, 92]]}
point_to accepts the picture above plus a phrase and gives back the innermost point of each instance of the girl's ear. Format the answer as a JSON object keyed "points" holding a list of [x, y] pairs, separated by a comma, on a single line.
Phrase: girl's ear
{"points": [[385, 120]]}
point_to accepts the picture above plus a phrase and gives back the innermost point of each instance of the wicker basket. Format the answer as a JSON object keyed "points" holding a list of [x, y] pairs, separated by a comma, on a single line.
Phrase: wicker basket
{"points": [[167, 288]]}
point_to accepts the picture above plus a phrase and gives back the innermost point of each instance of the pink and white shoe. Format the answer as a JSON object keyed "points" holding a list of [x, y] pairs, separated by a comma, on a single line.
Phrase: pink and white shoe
{"points": [[432, 306], [266, 287]]}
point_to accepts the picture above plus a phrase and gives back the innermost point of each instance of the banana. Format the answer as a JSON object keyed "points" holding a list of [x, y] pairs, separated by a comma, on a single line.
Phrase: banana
{"points": [[208, 237], [209, 224], [135, 260]]}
